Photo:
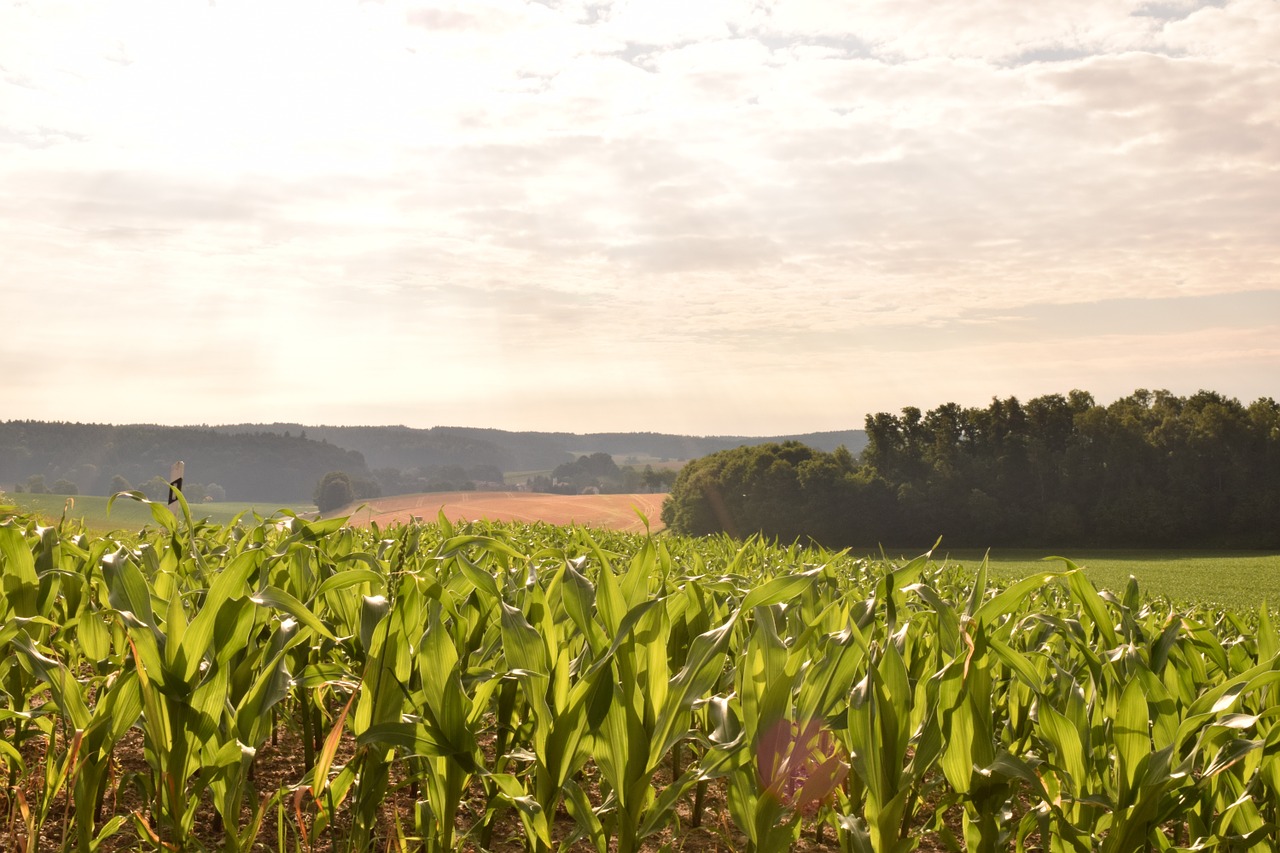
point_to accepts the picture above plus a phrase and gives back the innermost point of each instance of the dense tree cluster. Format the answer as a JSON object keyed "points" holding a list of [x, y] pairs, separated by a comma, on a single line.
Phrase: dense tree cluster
{"points": [[586, 472], [336, 489], [785, 491], [599, 473], [438, 478], [1149, 470]]}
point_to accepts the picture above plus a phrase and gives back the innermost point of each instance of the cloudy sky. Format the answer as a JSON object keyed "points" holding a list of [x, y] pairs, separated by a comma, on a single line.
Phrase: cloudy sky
{"points": [[676, 215]]}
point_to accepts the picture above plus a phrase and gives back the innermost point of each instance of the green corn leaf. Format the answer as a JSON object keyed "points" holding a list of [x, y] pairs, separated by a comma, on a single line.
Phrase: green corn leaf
{"points": [[197, 642], [62, 684], [958, 727], [324, 760], [18, 572], [1006, 601], [1018, 663], [836, 662], [821, 781], [373, 609], [1067, 747], [279, 599], [625, 629], [155, 712], [521, 644], [271, 686], [455, 544], [779, 590], [635, 582], [864, 739], [1087, 597], [348, 578], [313, 531], [1268, 640], [415, 738], [584, 816], [979, 590], [1163, 710], [1131, 738], [94, 637], [480, 579], [948, 619], [127, 589], [441, 683], [207, 704], [1161, 648], [118, 710], [579, 601], [726, 730], [928, 746], [663, 810], [610, 602], [699, 675], [857, 835], [1231, 754], [10, 755], [175, 625], [234, 623]]}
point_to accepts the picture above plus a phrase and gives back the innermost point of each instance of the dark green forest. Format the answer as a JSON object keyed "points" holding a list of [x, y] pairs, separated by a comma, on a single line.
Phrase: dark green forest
{"points": [[1150, 470]]}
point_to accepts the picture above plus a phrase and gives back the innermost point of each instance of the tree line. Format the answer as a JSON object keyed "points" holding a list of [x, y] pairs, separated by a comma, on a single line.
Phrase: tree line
{"points": [[1152, 469]]}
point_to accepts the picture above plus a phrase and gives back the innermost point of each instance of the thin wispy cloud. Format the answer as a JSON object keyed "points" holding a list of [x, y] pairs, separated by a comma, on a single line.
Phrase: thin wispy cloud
{"points": [[710, 217]]}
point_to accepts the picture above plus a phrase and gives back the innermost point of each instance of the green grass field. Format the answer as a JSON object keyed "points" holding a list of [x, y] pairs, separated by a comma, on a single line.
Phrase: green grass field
{"points": [[1239, 580], [131, 515]]}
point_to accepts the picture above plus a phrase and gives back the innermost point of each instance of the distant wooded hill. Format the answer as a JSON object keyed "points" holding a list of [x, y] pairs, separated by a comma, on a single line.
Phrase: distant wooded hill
{"points": [[407, 448], [284, 462], [101, 458]]}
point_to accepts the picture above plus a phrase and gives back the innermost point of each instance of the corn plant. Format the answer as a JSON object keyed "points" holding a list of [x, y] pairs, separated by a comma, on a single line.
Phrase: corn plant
{"points": [[447, 683]]}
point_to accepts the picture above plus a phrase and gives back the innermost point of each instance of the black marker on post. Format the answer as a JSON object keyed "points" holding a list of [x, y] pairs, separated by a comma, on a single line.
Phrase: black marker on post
{"points": [[175, 481]]}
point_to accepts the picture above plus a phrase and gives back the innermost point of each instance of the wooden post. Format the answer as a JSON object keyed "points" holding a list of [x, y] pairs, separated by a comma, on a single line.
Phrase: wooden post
{"points": [[175, 481]]}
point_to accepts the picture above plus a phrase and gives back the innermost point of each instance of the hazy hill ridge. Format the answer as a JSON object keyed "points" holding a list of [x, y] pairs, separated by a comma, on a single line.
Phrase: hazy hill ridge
{"points": [[260, 465], [284, 462], [407, 447]]}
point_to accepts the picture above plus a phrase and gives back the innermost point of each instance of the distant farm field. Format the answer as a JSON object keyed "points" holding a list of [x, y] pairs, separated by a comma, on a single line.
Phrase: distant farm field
{"points": [[616, 512]]}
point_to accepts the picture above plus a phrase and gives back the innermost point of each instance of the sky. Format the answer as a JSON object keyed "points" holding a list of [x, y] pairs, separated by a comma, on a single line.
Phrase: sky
{"points": [[746, 218]]}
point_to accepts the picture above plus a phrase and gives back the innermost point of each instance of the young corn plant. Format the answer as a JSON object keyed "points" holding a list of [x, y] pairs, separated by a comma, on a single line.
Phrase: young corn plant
{"points": [[786, 762]]}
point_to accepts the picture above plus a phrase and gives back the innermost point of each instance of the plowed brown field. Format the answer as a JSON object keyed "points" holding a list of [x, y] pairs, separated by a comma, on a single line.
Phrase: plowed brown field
{"points": [[616, 512]]}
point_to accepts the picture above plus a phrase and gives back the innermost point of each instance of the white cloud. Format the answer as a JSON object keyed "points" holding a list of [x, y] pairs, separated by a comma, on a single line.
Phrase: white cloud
{"points": [[684, 188], [1240, 31]]}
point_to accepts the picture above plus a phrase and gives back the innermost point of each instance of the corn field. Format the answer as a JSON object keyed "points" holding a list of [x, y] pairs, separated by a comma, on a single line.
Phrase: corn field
{"points": [[484, 687]]}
